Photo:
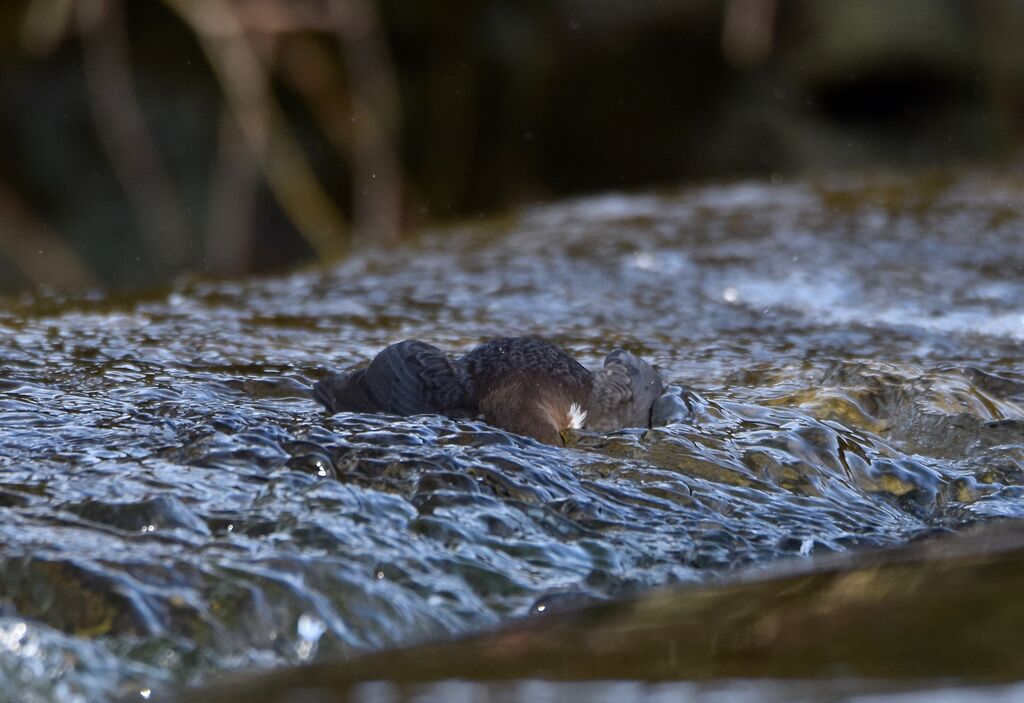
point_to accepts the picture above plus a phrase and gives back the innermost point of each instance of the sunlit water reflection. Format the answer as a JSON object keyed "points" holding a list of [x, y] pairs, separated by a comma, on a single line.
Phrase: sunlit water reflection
{"points": [[174, 504]]}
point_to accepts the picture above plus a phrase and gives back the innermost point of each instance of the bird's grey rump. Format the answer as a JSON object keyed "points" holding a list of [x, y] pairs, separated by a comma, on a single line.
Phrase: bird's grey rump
{"points": [[623, 392]]}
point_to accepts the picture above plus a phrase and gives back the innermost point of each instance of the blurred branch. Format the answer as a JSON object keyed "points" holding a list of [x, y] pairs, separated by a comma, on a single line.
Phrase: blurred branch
{"points": [[748, 32], [274, 17], [362, 131], [247, 90], [233, 190], [122, 130], [313, 72], [45, 25], [376, 111], [41, 256], [999, 23]]}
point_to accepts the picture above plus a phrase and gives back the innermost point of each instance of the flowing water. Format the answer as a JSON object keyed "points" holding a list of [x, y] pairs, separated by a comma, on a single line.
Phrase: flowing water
{"points": [[847, 356]]}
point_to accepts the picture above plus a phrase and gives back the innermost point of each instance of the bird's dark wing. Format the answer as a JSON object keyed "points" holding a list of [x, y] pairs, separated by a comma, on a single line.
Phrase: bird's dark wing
{"points": [[408, 378], [498, 360], [623, 392]]}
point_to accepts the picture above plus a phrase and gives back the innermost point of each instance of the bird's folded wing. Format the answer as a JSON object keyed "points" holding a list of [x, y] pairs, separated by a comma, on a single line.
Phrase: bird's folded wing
{"points": [[408, 378]]}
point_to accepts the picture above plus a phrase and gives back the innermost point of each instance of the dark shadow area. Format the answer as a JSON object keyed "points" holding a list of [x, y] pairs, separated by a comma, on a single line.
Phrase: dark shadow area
{"points": [[142, 140]]}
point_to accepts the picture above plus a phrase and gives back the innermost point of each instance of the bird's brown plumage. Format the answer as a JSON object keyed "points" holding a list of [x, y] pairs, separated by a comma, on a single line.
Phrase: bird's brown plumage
{"points": [[521, 384]]}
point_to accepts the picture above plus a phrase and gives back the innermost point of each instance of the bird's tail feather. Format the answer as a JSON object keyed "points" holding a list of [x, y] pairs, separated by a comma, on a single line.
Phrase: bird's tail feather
{"points": [[345, 392]]}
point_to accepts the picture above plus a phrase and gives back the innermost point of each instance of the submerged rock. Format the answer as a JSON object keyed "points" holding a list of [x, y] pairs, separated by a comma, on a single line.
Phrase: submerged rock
{"points": [[940, 609]]}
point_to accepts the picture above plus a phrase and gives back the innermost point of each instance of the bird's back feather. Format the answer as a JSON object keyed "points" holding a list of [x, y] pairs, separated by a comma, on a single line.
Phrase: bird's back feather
{"points": [[408, 378]]}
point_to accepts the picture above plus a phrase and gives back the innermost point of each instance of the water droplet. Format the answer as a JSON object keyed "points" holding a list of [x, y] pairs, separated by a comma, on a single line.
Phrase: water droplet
{"points": [[644, 261], [310, 627]]}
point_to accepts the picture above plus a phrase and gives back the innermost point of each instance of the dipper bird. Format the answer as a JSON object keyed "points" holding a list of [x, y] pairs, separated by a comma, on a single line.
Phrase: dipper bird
{"points": [[521, 384]]}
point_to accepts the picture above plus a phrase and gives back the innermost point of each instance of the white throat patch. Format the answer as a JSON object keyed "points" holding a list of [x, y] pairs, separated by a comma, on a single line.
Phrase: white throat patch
{"points": [[577, 416]]}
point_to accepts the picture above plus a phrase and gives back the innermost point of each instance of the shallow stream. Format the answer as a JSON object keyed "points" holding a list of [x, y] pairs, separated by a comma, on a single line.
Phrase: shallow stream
{"points": [[174, 505]]}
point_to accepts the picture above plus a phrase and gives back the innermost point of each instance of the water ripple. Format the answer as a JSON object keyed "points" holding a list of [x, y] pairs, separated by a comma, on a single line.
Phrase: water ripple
{"points": [[174, 503]]}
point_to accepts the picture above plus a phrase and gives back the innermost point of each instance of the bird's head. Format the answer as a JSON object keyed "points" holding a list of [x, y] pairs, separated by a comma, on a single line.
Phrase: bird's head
{"points": [[535, 407]]}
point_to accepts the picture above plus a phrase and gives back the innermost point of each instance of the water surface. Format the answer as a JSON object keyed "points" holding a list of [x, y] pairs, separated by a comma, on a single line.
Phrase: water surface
{"points": [[174, 505]]}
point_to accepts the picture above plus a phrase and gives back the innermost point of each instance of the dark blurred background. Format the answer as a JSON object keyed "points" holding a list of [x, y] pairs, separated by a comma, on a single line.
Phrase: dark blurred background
{"points": [[143, 139]]}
